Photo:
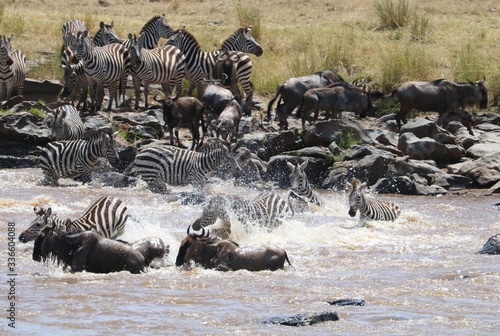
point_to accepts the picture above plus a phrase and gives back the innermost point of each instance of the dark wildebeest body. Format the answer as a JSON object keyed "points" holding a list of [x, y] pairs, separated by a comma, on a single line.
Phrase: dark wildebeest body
{"points": [[335, 100], [228, 122], [492, 245], [87, 251], [226, 255], [292, 90], [183, 111], [441, 96]]}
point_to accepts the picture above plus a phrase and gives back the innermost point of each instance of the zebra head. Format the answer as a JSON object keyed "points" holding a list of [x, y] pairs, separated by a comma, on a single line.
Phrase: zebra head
{"points": [[155, 28], [356, 196], [298, 177], [6, 50], [83, 45], [43, 218], [105, 35], [242, 40], [108, 148], [134, 50], [184, 41]]}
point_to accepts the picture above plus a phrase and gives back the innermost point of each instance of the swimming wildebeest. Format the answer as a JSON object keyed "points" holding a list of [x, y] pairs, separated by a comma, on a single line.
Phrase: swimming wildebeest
{"points": [[226, 255], [87, 251], [442, 96], [151, 248], [492, 245], [292, 90]]}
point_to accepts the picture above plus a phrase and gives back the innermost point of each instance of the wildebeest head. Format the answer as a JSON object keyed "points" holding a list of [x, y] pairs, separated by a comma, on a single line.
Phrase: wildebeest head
{"points": [[198, 247], [355, 195], [492, 245], [48, 242]]}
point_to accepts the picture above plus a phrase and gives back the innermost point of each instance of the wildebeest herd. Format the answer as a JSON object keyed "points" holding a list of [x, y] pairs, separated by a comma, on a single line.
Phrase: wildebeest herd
{"points": [[92, 64]]}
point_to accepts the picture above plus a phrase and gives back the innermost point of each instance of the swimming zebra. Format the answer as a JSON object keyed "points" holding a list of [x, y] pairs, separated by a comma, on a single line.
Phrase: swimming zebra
{"points": [[66, 124], [160, 164], [75, 158], [105, 215], [301, 185], [200, 63], [164, 65], [267, 209], [105, 65], [12, 69], [369, 208]]}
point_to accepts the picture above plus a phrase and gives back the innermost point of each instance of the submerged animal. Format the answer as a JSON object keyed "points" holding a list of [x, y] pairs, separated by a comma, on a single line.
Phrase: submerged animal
{"points": [[87, 251], [492, 245]]}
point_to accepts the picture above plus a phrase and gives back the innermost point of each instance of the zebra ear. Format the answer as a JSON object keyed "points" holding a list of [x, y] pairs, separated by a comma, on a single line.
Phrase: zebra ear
{"points": [[101, 25], [349, 186], [304, 164], [292, 167], [48, 213], [362, 186]]}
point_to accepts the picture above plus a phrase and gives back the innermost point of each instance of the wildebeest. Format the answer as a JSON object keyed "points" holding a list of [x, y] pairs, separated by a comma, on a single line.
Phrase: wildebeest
{"points": [[442, 96], [87, 251], [333, 99], [492, 245], [292, 90], [226, 255], [183, 111], [228, 122]]}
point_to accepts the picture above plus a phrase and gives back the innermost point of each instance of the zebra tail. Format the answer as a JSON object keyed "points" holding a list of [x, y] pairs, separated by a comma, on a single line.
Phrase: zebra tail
{"points": [[271, 102]]}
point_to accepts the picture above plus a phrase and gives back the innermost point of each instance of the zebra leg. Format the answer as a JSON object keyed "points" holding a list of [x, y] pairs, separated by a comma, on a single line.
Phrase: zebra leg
{"points": [[146, 93], [114, 90], [137, 91]]}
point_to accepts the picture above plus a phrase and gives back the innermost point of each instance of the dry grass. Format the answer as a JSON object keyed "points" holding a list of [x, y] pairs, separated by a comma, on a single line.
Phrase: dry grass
{"points": [[452, 39]]}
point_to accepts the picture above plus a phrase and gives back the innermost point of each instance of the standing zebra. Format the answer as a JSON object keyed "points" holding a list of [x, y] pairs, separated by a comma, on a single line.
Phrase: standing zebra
{"points": [[301, 185], [369, 208], [104, 66], [164, 65], [160, 164], [200, 64], [150, 34], [70, 30], [66, 124], [12, 69], [105, 215], [75, 158], [76, 81]]}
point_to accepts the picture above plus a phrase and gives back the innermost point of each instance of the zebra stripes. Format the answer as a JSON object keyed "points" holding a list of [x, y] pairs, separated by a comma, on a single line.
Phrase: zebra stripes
{"points": [[164, 65], [301, 185], [105, 65], [160, 164], [105, 215], [200, 64], [12, 69], [75, 158], [267, 209], [242, 40], [67, 124], [70, 30], [370, 208]]}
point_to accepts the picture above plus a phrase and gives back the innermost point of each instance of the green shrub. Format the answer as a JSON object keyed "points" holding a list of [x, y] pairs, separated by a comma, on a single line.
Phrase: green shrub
{"points": [[249, 16], [37, 112]]}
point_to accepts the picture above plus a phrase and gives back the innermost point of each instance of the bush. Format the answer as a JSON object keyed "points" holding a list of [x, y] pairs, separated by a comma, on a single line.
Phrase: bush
{"points": [[394, 14]]}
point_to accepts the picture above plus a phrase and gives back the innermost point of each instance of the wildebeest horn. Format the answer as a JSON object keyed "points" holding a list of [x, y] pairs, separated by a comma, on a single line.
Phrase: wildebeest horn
{"points": [[201, 233], [158, 100]]}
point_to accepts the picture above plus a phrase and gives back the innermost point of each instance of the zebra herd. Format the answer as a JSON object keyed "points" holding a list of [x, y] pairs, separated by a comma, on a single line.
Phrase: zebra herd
{"points": [[105, 60]]}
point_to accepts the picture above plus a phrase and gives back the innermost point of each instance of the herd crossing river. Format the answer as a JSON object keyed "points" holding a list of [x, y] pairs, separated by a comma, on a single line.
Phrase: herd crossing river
{"points": [[418, 275]]}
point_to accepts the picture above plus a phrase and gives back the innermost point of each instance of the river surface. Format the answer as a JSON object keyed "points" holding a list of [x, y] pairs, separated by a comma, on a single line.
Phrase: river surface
{"points": [[419, 275]]}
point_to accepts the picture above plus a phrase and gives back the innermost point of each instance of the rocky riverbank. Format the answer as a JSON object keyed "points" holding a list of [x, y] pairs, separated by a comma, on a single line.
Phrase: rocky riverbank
{"points": [[421, 159]]}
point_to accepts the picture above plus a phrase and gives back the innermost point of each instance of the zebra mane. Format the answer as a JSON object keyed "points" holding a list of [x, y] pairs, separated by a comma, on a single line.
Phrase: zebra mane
{"points": [[153, 19], [187, 35]]}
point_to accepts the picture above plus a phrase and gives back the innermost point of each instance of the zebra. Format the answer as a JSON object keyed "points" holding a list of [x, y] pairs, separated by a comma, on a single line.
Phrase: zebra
{"points": [[66, 124], [164, 65], [156, 28], [200, 64], [12, 69], [105, 215], [268, 209], [70, 30], [103, 65], [75, 158], [150, 34], [369, 208], [76, 81], [160, 164], [301, 185]]}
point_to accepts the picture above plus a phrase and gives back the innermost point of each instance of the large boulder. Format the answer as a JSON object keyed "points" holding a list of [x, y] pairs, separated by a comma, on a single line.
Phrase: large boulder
{"points": [[420, 127], [152, 118], [279, 172], [428, 149], [277, 143], [337, 130], [26, 127], [485, 171]]}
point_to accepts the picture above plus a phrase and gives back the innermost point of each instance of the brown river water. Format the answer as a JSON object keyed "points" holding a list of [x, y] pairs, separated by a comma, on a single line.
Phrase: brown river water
{"points": [[419, 275]]}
